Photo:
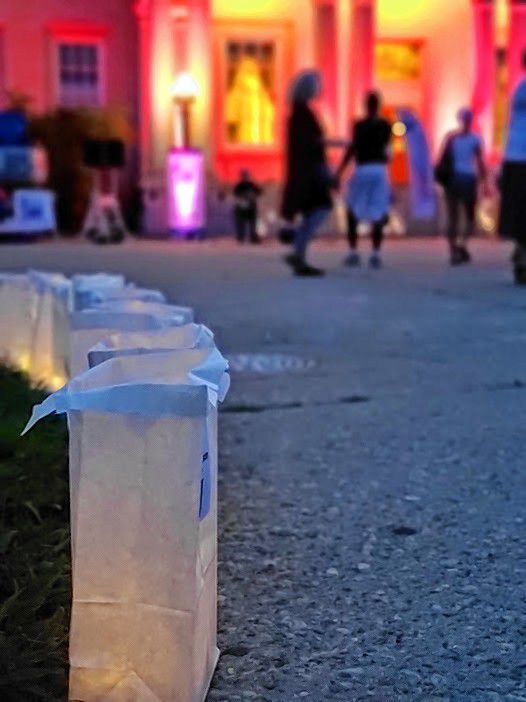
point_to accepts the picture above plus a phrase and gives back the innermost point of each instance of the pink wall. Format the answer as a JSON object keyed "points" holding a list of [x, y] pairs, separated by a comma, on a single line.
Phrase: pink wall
{"points": [[26, 45]]}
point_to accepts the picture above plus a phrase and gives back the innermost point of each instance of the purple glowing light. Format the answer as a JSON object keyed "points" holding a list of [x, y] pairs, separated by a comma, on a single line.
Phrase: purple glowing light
{"points": [[186, 190]]}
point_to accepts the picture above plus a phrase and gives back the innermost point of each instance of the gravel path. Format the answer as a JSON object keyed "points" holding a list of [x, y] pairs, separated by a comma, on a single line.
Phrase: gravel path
{"points": [[372, 499]]}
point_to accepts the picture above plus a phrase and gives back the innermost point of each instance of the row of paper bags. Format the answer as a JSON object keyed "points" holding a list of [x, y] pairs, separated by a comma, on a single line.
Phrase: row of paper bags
{"points": [[142, 416], [49, 322]]}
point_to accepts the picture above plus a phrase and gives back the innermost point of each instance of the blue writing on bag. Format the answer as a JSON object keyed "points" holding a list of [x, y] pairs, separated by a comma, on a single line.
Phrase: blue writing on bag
{"points": [[206, 487]]}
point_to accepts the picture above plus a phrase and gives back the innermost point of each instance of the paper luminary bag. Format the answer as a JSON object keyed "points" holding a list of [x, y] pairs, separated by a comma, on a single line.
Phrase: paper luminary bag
{"points": [[18, 314], [141, 307], [94, 324], [130, 292], [189, 336], [143, 471], [49, 362], [85, 285]]}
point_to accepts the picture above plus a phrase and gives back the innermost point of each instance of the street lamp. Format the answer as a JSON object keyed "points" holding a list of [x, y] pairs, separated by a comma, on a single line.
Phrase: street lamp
{"points": [[184, 93]]}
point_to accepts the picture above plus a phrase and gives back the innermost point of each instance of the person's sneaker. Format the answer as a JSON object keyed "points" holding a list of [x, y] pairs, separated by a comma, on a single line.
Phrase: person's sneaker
{"points": [[353, 260], [304, 270], [292, 260], [457, 257], [464, 254], [375, 261]]}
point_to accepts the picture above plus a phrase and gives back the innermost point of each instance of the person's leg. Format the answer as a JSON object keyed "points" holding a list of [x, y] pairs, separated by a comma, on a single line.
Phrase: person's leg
{"points": [[470, 206], [353, 259], [252, 227], [306, 231], [240, 225], [303, 236], [452, 229], [519, 263], [377, 236], [352, 230]]}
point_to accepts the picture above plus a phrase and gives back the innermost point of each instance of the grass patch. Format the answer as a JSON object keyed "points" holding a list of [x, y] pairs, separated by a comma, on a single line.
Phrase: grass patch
{"points": [[35, 569]]}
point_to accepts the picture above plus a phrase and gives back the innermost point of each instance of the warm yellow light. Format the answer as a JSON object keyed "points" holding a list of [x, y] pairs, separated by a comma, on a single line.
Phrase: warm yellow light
{"points": [[249, 110], [185, 88], [502, 15], [399, 129], [23, 362], [57, 382]]}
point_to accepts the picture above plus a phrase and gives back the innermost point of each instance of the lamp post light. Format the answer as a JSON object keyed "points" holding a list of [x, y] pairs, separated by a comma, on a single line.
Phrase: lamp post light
{"points": [[184, 94], [185, 166]]}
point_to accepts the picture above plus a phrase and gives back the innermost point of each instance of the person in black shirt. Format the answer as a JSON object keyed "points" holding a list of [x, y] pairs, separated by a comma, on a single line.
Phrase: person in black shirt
{"points": [[369, 193], [246, 194]]}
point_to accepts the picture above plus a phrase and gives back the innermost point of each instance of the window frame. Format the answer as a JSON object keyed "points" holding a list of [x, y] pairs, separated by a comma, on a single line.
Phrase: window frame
{"points": [[74, 34], [279, 35]]}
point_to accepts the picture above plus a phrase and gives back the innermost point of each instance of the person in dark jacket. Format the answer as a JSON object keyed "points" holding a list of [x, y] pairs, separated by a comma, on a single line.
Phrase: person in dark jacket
{"points": [[308, 182], [246, 194], [512, 224]]}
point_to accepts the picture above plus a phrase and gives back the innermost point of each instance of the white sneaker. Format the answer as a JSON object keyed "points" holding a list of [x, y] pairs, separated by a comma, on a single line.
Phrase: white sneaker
{"points": [[375, 261], [353, 260]]}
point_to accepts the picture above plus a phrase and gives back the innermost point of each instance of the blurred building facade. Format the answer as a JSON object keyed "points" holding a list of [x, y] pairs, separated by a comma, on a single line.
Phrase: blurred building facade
{"points": [[429, 55]]}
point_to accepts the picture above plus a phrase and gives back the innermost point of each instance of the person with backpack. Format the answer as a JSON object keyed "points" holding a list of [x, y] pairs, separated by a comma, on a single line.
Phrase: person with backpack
{"points": [[459, 170]]}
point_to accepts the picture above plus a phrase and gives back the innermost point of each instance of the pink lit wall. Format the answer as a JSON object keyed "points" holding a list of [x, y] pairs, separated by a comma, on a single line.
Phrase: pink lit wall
{"points": [[446, 28], [26, 34]]}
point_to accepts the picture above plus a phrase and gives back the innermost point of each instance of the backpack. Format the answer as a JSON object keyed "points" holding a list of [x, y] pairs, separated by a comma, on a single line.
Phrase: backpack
{"points": [[444, 168]]}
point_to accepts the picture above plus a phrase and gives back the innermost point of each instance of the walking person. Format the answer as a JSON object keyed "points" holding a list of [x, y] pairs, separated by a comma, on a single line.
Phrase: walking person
{"points": [[460, 168], [512, 224], [246, 194], [307, 190], [369, 192]]}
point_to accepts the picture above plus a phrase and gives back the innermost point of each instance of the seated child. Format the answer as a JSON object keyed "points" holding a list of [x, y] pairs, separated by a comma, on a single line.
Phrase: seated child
{"points": [[6, 209], [246, 194]]}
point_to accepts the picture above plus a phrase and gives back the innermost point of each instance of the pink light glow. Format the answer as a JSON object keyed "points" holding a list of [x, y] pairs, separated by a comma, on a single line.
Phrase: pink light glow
{"points": [[186, 190]]}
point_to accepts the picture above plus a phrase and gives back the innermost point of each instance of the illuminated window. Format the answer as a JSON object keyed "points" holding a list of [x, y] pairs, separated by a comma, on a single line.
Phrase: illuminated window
{"points": [[249, 107], [79, 74], [398, 61]]}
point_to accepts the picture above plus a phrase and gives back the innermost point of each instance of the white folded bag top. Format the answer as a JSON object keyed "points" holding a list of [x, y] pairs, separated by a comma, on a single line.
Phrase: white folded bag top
{"points": [[143, 471], [189, 336], [142, 307], [85, 284], [18, 315], [96, 323], [130, 292]]}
